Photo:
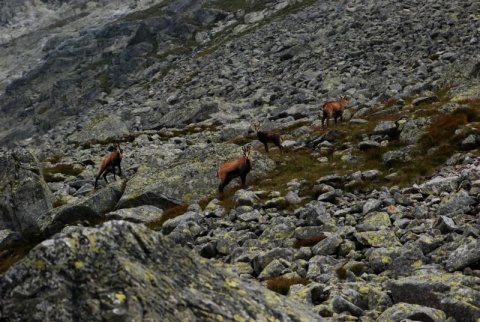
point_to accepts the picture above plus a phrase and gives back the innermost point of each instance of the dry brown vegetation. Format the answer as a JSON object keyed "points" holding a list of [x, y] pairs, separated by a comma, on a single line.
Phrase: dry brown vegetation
{"points": [[309, 242], [11, 255], [282, 284], [66, 169]]}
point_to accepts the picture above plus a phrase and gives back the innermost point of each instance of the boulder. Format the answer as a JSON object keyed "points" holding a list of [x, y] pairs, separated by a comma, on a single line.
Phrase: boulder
{"points": [[102, 128], [24, 194], [189, 178], [91, 210], [441, 292], [404, 311], [124, 271]]}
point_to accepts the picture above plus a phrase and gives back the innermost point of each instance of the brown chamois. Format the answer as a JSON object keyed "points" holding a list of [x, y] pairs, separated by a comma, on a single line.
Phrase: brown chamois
{"points": [[233, 169], [109, 163], [335, 109], [266, 137]]}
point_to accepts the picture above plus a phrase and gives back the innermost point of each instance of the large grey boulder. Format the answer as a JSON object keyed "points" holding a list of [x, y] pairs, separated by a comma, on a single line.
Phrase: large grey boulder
{"points": [[189, 178], [125, 272], [102, 128], [465, 255], [404, 311], [93, 209], [442, 292], [412, 130], [24, 194]]}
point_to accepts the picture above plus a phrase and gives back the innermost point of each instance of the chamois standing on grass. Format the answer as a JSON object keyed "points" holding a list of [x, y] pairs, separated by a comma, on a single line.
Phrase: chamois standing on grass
{"points": [[233, 169], [335, 109], [109, 163], [266, 137]]}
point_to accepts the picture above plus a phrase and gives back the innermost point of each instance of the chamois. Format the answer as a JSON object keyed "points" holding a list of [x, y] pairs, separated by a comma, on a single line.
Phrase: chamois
{"points": [[266, 137], [335, 109], [109, 163], [233, 169]]}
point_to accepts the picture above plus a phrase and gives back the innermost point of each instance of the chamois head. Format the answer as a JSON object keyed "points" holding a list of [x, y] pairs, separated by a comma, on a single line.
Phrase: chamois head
{"points": [[233, 169], [266, 137], [109, 163]]}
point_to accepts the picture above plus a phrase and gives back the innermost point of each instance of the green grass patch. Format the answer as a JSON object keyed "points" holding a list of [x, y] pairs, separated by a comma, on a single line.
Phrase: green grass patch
{"points": [[235, 5], [67, 21]]}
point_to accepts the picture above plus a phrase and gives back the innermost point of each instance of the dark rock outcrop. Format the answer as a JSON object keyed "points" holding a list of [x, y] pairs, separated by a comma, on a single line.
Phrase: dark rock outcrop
{"points": [[24, 194]]}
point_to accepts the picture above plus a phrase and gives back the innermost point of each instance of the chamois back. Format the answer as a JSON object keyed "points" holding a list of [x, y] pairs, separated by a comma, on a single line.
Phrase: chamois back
{"points": [[234, 169]]}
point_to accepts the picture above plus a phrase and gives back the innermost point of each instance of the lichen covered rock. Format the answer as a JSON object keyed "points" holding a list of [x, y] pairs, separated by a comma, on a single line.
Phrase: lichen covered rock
{"points": [[124, 272]]}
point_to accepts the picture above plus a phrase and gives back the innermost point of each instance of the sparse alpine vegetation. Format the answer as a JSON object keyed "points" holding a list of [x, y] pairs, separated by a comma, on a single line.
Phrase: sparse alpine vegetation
{"points": [[374, 218]]}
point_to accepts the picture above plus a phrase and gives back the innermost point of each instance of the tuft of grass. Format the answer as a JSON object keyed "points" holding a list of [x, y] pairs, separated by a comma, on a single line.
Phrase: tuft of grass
{"points": [[235, 5], [175, 212], [282, 285], [58, 203], [54, 158], [130, 137], [105, 83], [67, 169]]}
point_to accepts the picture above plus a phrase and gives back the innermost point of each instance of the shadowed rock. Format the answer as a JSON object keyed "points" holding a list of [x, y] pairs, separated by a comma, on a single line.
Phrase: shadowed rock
{"points": [[24, 194]]}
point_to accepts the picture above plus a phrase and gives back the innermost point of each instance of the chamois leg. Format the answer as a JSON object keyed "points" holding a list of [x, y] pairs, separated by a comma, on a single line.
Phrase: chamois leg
{"points": [[266, 146], [105, 176], [280, 146], [324, 117], [243, 177], [96, 180], [223, 184], [338, 116], [119, 170]]}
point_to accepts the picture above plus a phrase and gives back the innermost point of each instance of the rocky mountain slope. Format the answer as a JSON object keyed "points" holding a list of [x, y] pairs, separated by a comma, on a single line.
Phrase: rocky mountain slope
{"points": [[372, 219]]}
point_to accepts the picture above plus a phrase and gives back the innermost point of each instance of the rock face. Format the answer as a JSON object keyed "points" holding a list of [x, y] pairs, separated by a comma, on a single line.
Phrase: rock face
{"points": [[125, 60], [24, 194], [179, 84], [121, 272]]}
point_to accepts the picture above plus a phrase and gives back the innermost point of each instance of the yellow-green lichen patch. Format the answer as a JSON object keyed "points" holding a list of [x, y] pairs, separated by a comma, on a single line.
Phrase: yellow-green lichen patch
{"points": [[417, 264], [93, 243], [40, 264], [120, 297], [79, 265], [384, 238], [386, 259], [230, 283]]}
